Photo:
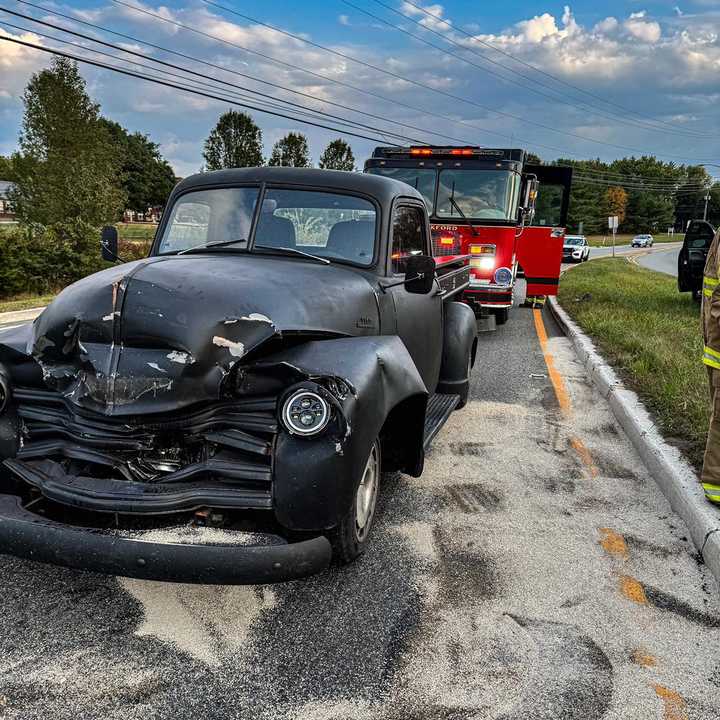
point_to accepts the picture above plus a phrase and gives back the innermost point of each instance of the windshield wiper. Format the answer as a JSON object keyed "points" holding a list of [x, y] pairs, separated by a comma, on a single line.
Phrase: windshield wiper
{"points": [[216, 243], [459, 209], [294, 251]]}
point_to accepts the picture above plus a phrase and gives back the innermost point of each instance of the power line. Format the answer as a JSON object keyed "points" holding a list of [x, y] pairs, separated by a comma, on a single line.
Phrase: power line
{"points": [[215, 66], [228, 95], [534, 67], [562, 151], [416, 83], [165, 83], [388, 133], [370, 93], [561, 97]]}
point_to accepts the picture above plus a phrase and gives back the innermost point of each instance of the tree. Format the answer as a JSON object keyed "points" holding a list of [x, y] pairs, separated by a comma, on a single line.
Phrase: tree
{"points": [[338, 155], [616, 200], [147, 177], [6, 170], [235, 142], [291, 151], [68, 169]]}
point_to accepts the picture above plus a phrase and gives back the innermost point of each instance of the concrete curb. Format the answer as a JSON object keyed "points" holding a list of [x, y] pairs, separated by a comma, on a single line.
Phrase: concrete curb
{"points": [[19, 316], [669, 469]]}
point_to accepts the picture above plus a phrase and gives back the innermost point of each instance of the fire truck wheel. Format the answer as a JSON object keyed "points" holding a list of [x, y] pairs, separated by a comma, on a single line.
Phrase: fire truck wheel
{"points": [[349, 539], [502, 316]]}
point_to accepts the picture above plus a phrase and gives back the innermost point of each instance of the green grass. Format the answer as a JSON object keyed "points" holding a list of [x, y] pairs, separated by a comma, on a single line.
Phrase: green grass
{"points": [[606, 240], [651, 334], [25, 303], [136, 232]]}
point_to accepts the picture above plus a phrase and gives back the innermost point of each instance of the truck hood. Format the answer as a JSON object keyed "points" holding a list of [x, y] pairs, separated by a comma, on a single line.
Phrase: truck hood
{"points": [[163, 333]]}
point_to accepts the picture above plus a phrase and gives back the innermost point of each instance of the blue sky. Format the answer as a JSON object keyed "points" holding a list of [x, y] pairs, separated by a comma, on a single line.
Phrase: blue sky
{"points": [[622, 77]]}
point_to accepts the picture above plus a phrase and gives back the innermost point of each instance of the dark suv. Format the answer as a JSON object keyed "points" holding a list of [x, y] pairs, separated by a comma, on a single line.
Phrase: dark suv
{"points": [[691, 260]]}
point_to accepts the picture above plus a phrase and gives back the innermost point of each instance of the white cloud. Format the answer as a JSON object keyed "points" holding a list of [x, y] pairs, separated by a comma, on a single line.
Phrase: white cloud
{"points": [[606, 26], [343, 19], [646, 30]]}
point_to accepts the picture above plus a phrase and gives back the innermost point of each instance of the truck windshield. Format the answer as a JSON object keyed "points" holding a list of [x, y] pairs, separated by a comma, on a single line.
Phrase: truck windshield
{"points": [[423, 180], [202, 217], [324, 224], [486, 194]]}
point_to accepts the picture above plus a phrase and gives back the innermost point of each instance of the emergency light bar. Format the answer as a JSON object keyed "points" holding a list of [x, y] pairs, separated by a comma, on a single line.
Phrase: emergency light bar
{"points": [[443, 151]]}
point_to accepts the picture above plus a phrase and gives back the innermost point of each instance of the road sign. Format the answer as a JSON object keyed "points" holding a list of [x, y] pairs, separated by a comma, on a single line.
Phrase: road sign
{"points": [[613, 222]]}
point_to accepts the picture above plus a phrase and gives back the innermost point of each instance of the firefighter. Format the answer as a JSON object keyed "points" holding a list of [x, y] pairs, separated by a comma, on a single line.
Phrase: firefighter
{"points": [[711, 357], [534, 301]]}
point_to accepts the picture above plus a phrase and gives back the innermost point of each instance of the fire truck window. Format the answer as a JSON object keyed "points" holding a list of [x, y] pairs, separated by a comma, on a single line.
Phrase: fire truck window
{"points": [[548, 205], [488, 194], [408, 236], [422, 180]]}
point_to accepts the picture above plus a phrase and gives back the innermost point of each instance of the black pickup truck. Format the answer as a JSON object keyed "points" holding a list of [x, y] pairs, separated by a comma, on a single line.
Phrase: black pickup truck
{"points": [[223, 410]]}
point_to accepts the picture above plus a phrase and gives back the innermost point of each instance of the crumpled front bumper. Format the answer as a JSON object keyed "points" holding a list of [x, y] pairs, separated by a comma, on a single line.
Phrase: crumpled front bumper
{"points": [[27, 535]]}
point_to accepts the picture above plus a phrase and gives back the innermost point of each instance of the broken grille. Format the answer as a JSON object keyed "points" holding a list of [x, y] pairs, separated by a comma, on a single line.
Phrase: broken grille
{"points": [[228, 442]]}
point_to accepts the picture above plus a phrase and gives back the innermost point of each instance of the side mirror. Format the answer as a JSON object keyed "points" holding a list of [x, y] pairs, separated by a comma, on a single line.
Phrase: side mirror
{"points": [[532, 186], [419, 274], [109, 243]]}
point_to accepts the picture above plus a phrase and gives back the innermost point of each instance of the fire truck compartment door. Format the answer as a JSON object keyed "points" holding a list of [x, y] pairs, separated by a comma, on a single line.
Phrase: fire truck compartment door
{"points": [[539, 247]]}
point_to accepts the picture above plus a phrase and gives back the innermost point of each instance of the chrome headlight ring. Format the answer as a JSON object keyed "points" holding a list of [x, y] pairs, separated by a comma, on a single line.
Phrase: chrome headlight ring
{"points": [[305, 412]]}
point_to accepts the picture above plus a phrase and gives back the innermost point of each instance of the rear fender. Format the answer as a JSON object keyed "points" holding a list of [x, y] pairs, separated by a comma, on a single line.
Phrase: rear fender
{"points": [[315, 479]]}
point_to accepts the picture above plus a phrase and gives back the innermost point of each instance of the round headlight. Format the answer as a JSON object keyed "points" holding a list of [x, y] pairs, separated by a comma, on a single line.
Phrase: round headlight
{"points": [[305, 413], [503, 276]]}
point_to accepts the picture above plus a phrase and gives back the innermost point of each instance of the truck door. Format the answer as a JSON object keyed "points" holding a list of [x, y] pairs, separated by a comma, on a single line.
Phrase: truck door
{"points": [[419, 317], [539, 246], [691, 260]]}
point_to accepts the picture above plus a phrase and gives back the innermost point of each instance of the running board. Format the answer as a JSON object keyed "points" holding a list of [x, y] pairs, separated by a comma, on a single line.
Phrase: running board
{"points": [[438, 411]]}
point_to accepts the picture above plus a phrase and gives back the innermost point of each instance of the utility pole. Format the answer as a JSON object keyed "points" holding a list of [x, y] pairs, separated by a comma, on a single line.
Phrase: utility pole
{"points": [[707, 199]]}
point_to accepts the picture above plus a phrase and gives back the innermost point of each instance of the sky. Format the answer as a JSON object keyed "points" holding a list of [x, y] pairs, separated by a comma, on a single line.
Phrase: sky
{"points": [[592, 79]]}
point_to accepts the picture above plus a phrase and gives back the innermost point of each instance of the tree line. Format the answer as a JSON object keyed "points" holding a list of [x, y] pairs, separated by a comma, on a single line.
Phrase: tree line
{"points": [[76, 170], [646, 194], [236, 141]]}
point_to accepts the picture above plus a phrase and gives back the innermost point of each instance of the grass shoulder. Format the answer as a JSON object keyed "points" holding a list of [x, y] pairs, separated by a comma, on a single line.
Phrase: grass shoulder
{"points": [[624, 239], [651, 335], [25, 302]]}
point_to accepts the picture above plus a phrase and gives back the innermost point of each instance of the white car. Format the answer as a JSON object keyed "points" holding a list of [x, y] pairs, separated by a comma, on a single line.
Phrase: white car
{"points": [[642, 241], [575, 248]]}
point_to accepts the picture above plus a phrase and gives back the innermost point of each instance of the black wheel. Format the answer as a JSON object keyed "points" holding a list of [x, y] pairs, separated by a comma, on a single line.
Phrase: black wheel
{"points": [[464, 393], [349, 539], [502, 316]]}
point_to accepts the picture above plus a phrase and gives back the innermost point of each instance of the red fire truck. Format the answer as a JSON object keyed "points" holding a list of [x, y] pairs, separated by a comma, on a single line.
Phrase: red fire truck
{"points": [[493, 205]]}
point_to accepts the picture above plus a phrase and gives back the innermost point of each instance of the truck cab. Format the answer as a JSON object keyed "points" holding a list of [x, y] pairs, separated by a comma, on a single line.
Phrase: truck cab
{"points": [[493, 205], [287, 341]]}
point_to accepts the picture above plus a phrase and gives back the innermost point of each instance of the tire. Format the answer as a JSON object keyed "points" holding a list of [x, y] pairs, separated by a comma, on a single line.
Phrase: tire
{"points": [[502, 316], [350, 538], [696, 296], [465, 391]]}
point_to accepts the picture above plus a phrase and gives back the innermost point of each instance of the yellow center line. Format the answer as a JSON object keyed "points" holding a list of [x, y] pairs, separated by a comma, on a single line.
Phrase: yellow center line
{"points": [[673, 703], [612, 542], [561, 393]]}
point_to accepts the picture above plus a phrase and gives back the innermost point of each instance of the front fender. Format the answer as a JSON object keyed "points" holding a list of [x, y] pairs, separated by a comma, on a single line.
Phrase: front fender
{"points": [[314, 480]]}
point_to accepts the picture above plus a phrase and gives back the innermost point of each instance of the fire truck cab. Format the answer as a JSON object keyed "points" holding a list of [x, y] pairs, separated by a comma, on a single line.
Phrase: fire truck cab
{"points": [[493, 205]]}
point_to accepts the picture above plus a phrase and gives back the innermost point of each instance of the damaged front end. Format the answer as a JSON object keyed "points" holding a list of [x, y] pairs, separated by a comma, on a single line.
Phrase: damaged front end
{"points": [[114, 424]]}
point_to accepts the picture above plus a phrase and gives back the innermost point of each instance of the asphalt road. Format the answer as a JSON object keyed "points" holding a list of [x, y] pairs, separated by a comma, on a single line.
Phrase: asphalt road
{"points": [[534, 572]]}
